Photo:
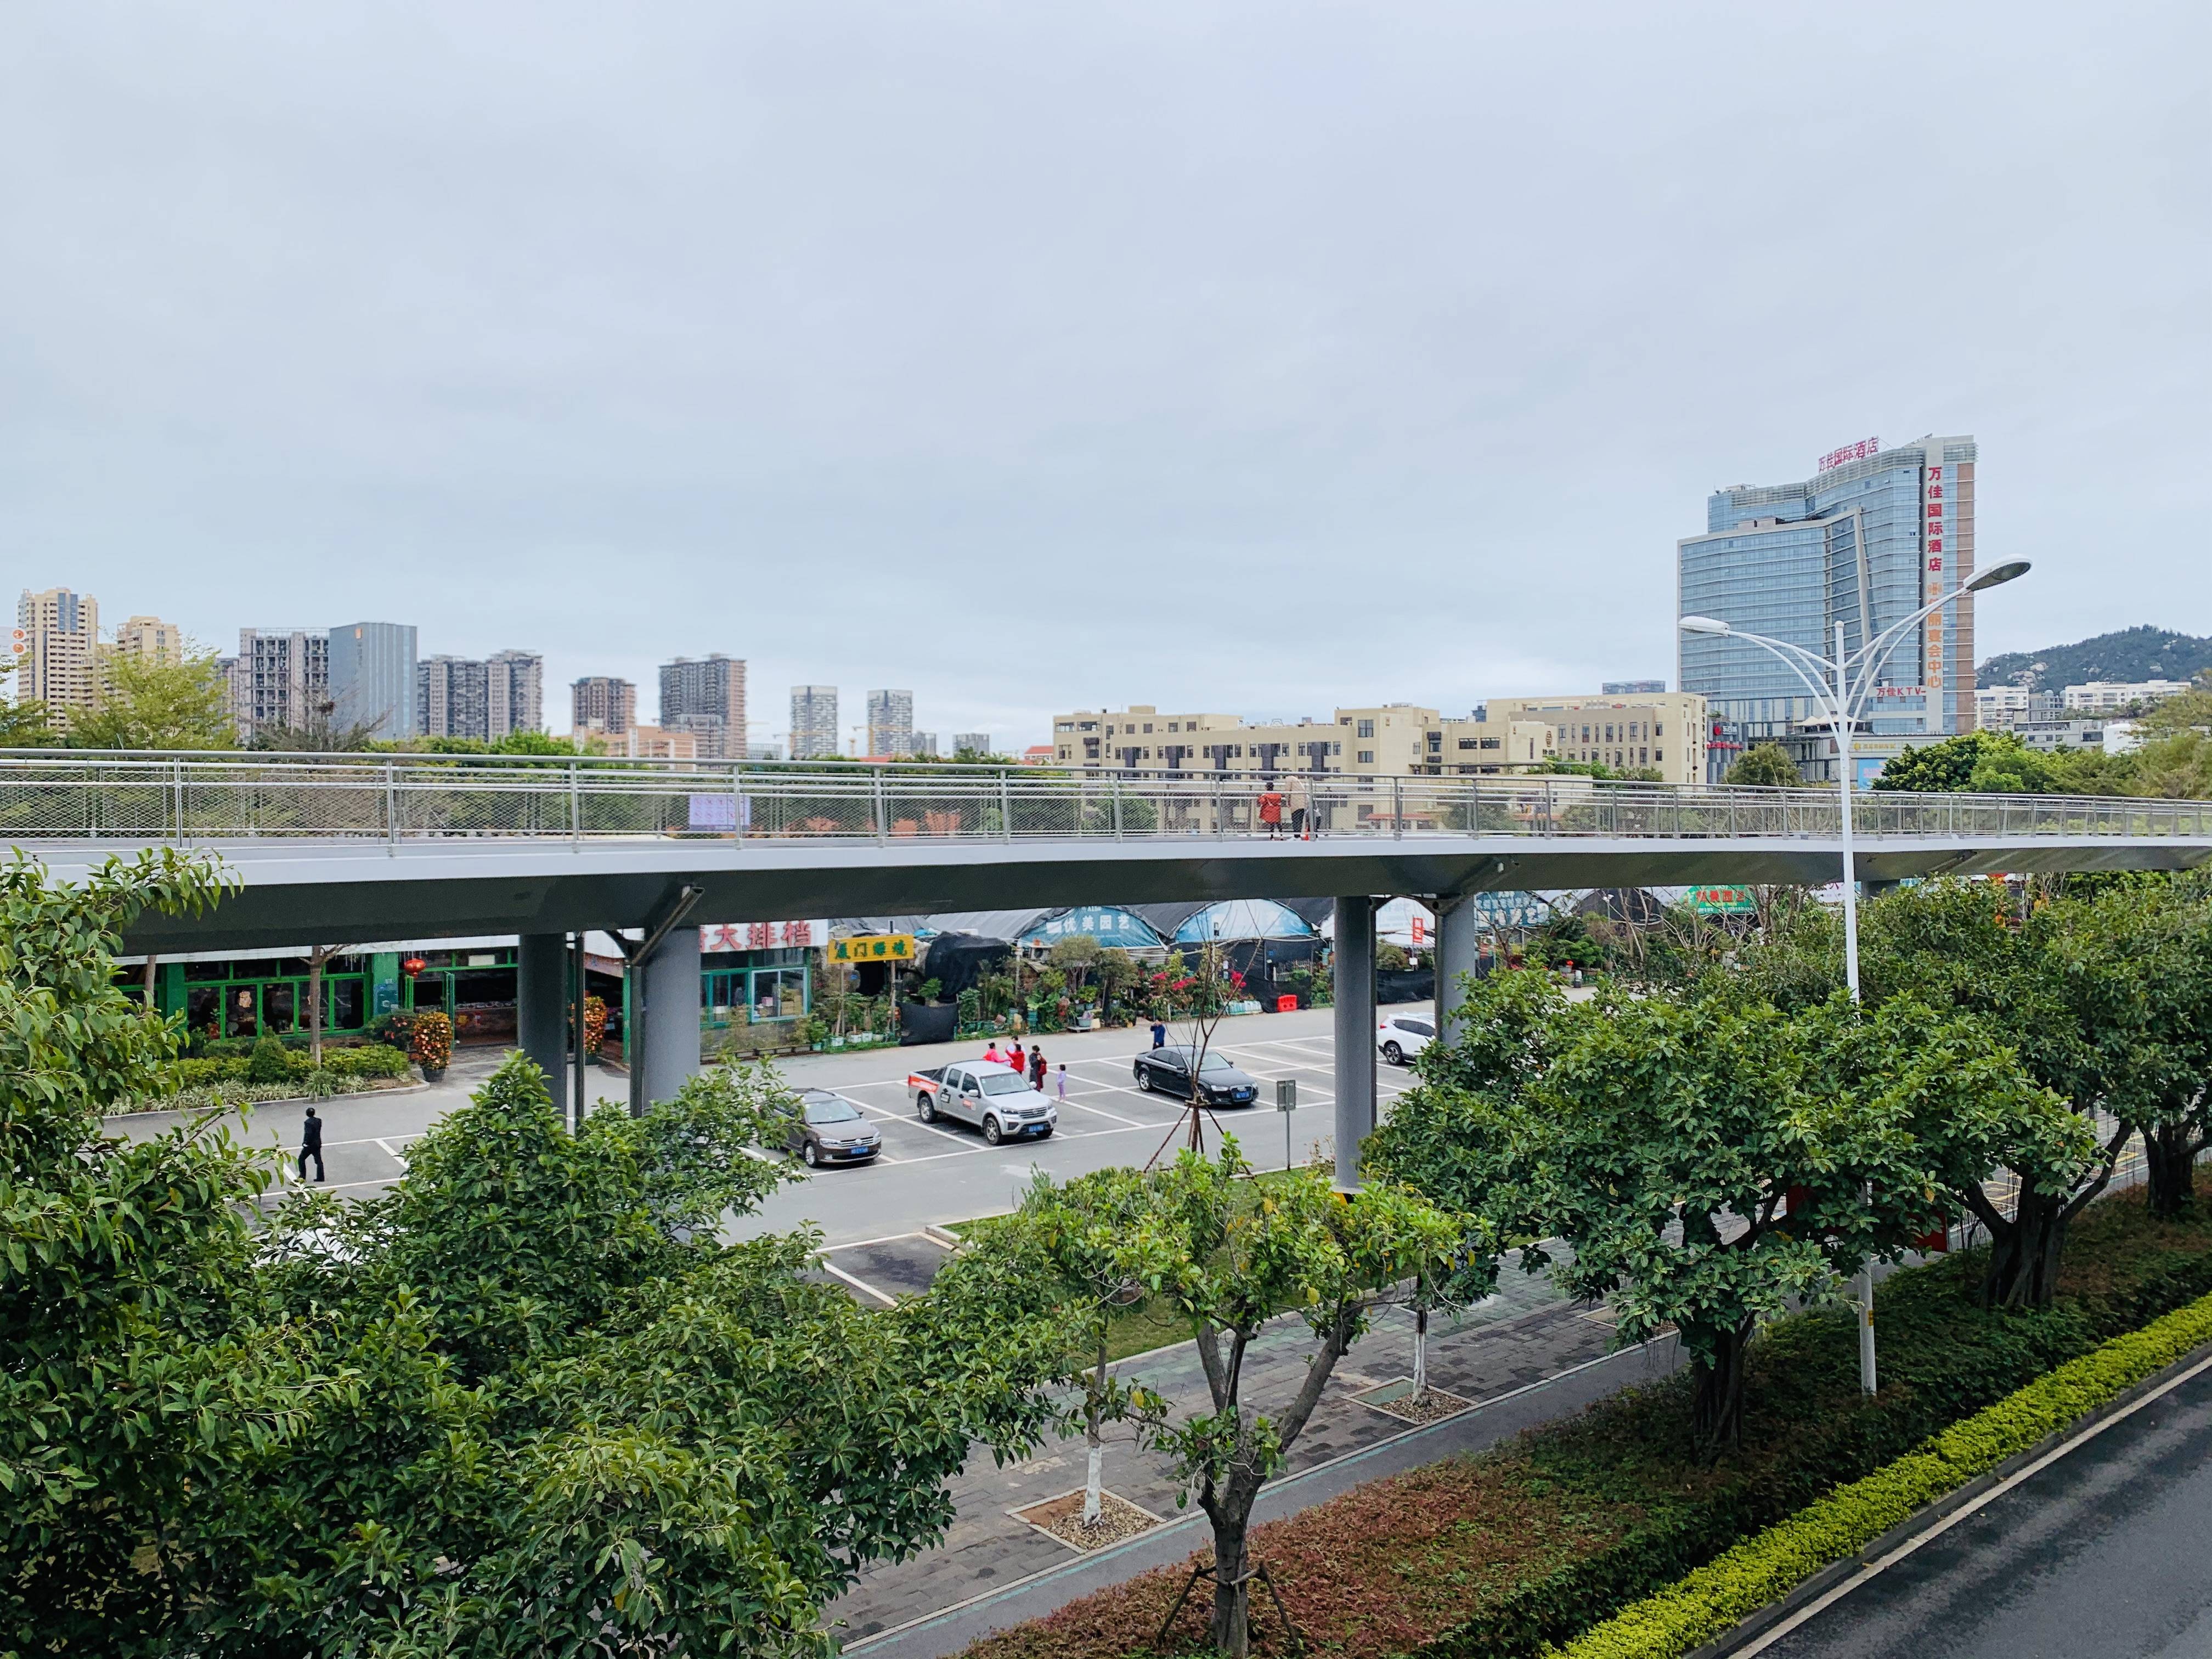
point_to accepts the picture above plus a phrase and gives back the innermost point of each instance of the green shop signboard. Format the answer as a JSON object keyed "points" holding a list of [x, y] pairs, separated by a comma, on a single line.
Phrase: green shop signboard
{"points": [[1724, 901]]}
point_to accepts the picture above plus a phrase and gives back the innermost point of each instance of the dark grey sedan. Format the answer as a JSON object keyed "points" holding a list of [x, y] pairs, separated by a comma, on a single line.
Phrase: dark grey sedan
{"points": [[829, 1128], [1220, 1084]]}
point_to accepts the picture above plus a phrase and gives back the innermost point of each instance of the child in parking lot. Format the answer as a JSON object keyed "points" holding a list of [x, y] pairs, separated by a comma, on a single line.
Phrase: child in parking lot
{"points": [[1063, 1079]]}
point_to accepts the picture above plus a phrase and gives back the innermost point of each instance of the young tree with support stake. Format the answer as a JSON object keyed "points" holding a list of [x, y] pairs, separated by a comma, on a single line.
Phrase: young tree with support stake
{"points": [[1080, 1232], [1228, 1255]]}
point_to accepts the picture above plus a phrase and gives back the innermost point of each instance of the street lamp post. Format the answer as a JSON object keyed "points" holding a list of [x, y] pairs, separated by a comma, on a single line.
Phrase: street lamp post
{"points": [[1843, 698]]}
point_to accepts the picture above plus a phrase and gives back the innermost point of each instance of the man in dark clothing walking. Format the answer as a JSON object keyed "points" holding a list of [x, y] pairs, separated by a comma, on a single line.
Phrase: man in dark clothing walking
{"points": [[311, 1146], [1160, 1035]]}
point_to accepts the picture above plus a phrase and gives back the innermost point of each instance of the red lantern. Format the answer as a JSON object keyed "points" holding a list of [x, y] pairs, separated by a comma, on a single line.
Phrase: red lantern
{"points": [[414, 964]]}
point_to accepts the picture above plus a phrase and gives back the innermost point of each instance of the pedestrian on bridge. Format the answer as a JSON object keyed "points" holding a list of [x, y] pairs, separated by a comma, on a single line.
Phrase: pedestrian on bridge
{"points": [[1271, 810], [311, 1146]]}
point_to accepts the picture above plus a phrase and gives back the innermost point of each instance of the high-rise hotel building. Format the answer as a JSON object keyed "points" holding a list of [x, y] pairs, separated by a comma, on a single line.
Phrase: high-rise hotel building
{"points": [[1874, 535]]}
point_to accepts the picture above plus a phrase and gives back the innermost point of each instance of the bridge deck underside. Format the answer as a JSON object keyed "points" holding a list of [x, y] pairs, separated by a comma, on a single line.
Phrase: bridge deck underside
{"points": [[297, 892]]}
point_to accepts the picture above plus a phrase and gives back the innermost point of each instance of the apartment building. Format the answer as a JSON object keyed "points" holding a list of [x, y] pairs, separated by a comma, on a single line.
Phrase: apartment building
{"points": [[515, 693], [601, 704], [971, 743], [280, 680], [890, 724], [2118, 693], [813, 721], [151, 638], [57, 649], [706, 697]]}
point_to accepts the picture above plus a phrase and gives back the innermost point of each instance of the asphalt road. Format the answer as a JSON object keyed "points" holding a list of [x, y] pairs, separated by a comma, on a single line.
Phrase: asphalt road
{"points": [[928, 1174], [2105, 1553]]}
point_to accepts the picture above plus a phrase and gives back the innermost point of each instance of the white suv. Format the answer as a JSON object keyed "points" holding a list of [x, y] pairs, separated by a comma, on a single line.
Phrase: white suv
{"points": [[1401, 1037]]}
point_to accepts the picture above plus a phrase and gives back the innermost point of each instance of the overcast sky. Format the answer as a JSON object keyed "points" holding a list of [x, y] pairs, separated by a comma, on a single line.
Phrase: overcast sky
{"points": [[1255, 358]]}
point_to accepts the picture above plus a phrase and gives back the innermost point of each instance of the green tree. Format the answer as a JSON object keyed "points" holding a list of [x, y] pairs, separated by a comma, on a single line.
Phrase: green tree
{"points": [[528, 1402], [1999, 759], [1767, 765], [1078, 1233], [130, 1381], [23, 724], [1227, 1255], [1709, 1164], [145, 702]]}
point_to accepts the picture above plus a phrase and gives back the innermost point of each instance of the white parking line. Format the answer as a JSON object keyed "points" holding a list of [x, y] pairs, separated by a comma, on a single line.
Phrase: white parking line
{"points": [[397, 1158], [860, 1284]]}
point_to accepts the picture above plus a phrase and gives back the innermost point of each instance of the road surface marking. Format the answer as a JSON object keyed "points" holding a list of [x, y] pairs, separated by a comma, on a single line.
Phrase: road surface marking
{"points": [[858, 1283], [396, 1157]]}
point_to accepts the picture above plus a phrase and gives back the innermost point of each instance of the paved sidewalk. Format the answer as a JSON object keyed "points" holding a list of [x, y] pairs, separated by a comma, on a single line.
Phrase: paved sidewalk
{"points": [[993, 1570]]}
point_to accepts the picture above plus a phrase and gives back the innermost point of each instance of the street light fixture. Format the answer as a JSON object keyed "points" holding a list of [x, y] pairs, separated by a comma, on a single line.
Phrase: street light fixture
{"points": [[1842, 697]]}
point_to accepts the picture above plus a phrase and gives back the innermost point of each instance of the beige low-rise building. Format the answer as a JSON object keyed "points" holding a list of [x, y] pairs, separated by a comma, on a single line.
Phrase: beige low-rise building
{"points": [[1663, 731]]}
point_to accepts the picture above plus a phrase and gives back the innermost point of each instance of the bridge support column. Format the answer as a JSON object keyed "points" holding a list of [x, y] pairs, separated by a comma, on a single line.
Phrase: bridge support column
{"points": [[1354, 989], [664, 1006], [541, 1005], [1459, 952]]}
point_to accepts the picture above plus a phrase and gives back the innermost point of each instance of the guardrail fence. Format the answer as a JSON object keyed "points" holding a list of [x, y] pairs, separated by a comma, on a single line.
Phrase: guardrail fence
{"points": [[412, 799]]}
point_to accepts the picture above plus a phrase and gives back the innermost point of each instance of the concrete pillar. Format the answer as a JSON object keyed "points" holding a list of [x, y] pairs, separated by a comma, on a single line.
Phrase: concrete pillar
{"points": [[1459, 952], [1354, 984], [663, 1005], [541, 1005]]}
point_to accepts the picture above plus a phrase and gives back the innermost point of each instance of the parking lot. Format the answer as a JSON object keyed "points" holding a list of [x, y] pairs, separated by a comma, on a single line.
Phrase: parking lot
{"points": [[872, 1217]]}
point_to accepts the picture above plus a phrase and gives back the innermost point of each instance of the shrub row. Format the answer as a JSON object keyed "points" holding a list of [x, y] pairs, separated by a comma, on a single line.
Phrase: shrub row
{"points": [[1715, 1597], [371, 1059]]}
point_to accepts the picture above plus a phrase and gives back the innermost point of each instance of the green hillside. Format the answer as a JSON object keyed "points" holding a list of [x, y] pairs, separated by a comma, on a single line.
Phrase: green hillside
{"points": [[2133, 653]]}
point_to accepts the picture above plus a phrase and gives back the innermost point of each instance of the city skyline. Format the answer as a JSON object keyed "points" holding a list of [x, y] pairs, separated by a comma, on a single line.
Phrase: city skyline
{"points": [[337, 390]]}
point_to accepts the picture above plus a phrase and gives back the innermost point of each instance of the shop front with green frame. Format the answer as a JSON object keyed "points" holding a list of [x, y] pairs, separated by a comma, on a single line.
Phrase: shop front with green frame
{"points": [[267, 996], [754, 987]]}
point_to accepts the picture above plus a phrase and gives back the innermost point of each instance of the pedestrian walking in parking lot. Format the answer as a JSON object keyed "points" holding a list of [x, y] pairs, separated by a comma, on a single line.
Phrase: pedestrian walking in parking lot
{"points": [[311, 1146], [993, 1054], [1014, 1059], [1271, 810], [1062, 1078], [1036, 1068], [1160, 1035]]}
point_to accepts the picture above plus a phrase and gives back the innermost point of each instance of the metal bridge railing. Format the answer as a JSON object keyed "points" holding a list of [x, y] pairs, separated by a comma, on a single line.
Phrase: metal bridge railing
{"points": [[407, 798]]}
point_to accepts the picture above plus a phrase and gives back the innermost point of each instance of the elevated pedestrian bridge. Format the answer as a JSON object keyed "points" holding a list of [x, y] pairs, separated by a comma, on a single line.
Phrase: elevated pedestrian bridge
{"points": [[372, 846], [338, 849]]}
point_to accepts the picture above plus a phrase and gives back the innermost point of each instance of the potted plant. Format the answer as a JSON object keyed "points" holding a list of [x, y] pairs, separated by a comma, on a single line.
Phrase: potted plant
{"points": [[430, 1044]]}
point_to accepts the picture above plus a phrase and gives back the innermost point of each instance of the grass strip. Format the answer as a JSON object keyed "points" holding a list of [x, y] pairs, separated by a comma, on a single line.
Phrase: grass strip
{"points": [[1720, 1595]]}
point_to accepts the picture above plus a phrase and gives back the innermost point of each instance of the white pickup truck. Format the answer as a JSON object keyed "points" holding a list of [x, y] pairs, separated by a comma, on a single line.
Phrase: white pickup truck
{"points": [[997, 1099]]}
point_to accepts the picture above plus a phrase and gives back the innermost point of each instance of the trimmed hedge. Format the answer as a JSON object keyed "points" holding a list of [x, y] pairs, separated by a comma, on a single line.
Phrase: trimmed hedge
{"points": [[370, 1060], [1717, 1596]]}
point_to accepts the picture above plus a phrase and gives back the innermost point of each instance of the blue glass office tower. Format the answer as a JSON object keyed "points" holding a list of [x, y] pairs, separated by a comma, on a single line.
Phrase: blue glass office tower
{"points": [[1866, 542], [372, 669]]}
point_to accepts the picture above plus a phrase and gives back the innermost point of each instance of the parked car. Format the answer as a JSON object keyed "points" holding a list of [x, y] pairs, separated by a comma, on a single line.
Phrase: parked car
{"points": [[827, 1129], [997, 1099], [1401, 1037], [1220, 1084]]}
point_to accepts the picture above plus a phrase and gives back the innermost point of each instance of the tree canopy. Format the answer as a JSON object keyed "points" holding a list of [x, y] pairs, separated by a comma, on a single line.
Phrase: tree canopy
{"points": [[149, 702], [528, 1402], [1766, 764]]}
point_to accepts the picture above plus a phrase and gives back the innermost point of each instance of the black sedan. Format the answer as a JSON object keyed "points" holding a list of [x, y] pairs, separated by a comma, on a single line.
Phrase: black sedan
{"points": [[829, 1128], [1168, 1070]]}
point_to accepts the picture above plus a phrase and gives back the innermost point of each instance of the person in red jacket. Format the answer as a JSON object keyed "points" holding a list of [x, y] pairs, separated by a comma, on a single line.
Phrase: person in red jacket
{"points": [[1271, 811]]}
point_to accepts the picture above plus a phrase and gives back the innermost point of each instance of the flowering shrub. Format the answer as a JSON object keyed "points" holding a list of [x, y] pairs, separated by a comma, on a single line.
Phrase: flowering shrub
{"points": [[431, 1043], [595, 1023]]}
